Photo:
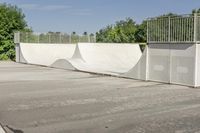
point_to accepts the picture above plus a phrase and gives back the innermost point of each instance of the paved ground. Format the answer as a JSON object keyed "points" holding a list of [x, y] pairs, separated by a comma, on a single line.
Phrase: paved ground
{"points": [[36, 99]]}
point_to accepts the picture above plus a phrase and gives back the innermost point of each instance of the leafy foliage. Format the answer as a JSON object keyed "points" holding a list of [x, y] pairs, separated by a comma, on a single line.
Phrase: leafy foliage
{"points": [[141, 32], [12, 19], [122, 32]]}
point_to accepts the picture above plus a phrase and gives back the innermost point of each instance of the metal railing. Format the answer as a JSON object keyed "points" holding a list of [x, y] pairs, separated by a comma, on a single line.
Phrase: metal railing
{"points": [[52, 37], [174, 29]]}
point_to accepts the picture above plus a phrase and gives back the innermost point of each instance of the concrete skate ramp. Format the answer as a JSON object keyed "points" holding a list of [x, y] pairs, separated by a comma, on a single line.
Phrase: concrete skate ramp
{"points": [[168, 63], [106, 58], [103, 58], [45, 54], [63, 64], [139, 71]]}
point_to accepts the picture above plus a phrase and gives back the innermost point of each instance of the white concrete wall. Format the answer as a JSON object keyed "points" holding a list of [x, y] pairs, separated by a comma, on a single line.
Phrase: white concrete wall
{"points": [[172, 63], [183, 64], [139, 71], [169, 63], [197, 81], [106, 58], [109, 57], [45, 54], [159, 62]]}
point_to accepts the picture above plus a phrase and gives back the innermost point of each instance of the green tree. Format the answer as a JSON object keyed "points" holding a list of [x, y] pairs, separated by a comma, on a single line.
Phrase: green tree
{"points": [[141, 32], [104, 34], [196, 11], [12, 19], [74, 37], [122, 32]]}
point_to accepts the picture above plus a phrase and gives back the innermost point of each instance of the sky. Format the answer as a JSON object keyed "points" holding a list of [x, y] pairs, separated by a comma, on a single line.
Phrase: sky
{"points": [[92, 15]]}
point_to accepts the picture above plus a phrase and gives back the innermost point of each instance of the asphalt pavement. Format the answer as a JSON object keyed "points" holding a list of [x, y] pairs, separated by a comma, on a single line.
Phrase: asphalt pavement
{"points": [[36, 99]]}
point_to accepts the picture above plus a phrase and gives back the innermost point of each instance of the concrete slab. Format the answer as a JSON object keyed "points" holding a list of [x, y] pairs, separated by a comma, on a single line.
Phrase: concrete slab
{"points": [[38, 99]]}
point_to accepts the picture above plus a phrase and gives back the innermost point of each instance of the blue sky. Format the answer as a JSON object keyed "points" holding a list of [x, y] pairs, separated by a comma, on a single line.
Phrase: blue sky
{"points": [[92, 15]]}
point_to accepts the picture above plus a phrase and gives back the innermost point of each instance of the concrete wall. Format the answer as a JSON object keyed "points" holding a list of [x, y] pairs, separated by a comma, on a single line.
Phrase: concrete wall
{"points": [[168, 63], [44, 54], [172, 63], [140, 70], [105, 58], [197, 74], [109, 57]]}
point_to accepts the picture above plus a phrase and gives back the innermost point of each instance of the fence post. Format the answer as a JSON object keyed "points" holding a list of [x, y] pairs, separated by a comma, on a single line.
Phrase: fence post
{"points": [[26, 33], [38, 38], [17, 37], [60, 37], [147, 31], [48, 37], [70, 38], [195, 27], [169, 29], [88, 38], [17, 47]]}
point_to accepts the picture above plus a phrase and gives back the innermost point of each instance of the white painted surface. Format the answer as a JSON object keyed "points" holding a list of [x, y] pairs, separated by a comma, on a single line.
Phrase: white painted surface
{"points": [[172, 63], [166, 63], [106, 57], [103, 58], [139, 70], [46, 54]]}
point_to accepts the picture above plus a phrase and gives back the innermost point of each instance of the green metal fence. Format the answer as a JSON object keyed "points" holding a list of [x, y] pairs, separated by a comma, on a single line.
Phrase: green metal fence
{"points": [[174, 29], [53, 37]]}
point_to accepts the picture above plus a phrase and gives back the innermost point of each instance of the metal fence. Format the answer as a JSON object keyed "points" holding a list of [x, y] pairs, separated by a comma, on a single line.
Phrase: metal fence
{"points": [[174, 29], [52, 37]]}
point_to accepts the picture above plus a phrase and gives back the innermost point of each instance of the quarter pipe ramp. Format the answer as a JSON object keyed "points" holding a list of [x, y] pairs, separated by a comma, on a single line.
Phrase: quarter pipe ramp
{"points": [[104, 58]]}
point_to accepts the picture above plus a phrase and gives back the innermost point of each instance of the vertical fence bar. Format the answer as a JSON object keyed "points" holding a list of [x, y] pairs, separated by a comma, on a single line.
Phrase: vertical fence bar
{"points": [[26, 37], [89, 38], [195, 21], [60, 37], [190, 28], [38, 38], [197, 29], [172, 30], [49, 37], [166, 28], [186, 29], [169, 23], [183, 29], [147, 31], [159, 29]]}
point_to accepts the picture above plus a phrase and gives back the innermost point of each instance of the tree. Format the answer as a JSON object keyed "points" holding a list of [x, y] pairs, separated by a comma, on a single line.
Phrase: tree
{"points": [[74, 37], [196, 11], [104, 35], [122, 32], [85, 33], [12, 19], [141, 32], [73, 33]]}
